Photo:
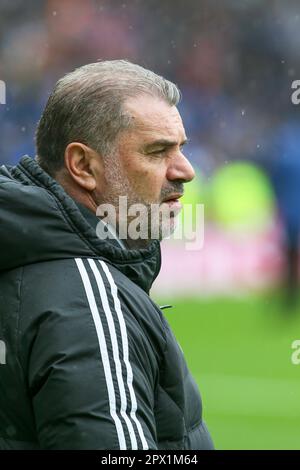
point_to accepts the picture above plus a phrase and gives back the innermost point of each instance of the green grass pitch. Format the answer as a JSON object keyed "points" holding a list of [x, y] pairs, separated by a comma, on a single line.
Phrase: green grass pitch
{"points": [[239, 352]]}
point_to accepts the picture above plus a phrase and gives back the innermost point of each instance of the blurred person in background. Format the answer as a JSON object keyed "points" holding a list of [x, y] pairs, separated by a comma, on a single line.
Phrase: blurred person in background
{"points": [[284, 170]]}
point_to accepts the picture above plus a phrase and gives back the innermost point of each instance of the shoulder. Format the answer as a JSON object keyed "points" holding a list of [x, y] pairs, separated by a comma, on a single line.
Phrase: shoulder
{"points": [[24, 194]]}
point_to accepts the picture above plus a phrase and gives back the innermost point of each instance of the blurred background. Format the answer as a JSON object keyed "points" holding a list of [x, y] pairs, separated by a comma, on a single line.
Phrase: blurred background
{"points": [[235, 301]]}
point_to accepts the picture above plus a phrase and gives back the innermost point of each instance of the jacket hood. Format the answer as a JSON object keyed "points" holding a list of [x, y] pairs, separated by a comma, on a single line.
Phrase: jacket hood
{"points": [[40, 222]]}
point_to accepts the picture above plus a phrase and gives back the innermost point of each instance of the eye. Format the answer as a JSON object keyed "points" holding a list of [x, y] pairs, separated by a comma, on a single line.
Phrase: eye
{"points": [[158, 152]]}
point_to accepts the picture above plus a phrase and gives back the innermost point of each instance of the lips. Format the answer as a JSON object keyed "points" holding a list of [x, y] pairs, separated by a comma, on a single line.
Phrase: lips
{"points": [[173, 197], [173, 203]]}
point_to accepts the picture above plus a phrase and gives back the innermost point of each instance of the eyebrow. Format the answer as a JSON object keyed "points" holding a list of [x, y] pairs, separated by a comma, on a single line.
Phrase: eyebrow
{"points": [[164, 143]]}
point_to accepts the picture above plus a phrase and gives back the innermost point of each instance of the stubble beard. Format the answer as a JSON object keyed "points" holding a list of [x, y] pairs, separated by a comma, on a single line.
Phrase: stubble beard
{"points": [[156, 222]]}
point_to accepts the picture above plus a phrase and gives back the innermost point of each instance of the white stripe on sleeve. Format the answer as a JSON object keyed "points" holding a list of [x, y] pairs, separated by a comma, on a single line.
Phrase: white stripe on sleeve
{"points": [[120, 315], [116, 353], [103, 351]]}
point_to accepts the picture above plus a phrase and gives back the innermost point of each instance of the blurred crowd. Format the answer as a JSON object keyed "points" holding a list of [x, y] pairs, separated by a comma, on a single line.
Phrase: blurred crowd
{"points": [[234, 61]]}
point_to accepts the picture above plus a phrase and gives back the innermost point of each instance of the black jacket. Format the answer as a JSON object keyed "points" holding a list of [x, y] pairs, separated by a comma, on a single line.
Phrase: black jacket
{"points": [[87, 359]]}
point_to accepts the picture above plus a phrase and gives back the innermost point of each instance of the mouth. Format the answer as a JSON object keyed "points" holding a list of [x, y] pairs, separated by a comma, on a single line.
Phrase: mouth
{"points": [[173, 202], [173, 197]]}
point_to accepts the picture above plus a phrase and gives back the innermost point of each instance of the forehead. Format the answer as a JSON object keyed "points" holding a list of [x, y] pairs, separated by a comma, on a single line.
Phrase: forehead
{"points": [[154, 118]]}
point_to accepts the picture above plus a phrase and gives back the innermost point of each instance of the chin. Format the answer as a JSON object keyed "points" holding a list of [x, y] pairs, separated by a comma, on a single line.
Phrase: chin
{"points": [[167, 228]]}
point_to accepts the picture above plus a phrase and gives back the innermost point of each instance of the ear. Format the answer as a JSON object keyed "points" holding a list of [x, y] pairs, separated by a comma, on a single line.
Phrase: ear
{"points": [[84, 165]]}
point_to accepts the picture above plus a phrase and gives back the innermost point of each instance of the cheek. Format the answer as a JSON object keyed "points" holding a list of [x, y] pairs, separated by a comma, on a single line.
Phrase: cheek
{"points": [[146, 179], [148, 183]]}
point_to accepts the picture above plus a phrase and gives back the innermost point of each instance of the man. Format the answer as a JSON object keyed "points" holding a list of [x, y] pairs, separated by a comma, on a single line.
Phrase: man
{"points": [[90, 361]]}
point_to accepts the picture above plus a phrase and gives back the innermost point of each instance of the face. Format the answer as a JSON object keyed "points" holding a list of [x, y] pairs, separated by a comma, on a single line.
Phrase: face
{"points": [[148, 165]]}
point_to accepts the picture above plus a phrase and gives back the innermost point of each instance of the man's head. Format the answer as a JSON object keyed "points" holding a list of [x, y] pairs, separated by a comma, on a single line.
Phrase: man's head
{"points": [[112, 129]]}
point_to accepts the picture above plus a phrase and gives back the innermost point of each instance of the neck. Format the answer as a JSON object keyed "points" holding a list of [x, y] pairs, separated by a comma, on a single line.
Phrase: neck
{"points": [[137, 244], [77, 193]]}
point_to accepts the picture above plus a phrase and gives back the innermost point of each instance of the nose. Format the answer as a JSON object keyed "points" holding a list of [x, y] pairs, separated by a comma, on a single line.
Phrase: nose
{"points": [[180, 169]]}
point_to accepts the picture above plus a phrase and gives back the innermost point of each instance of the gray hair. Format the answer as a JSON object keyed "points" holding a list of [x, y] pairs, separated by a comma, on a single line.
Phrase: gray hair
{"points": [[86, 106]]}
